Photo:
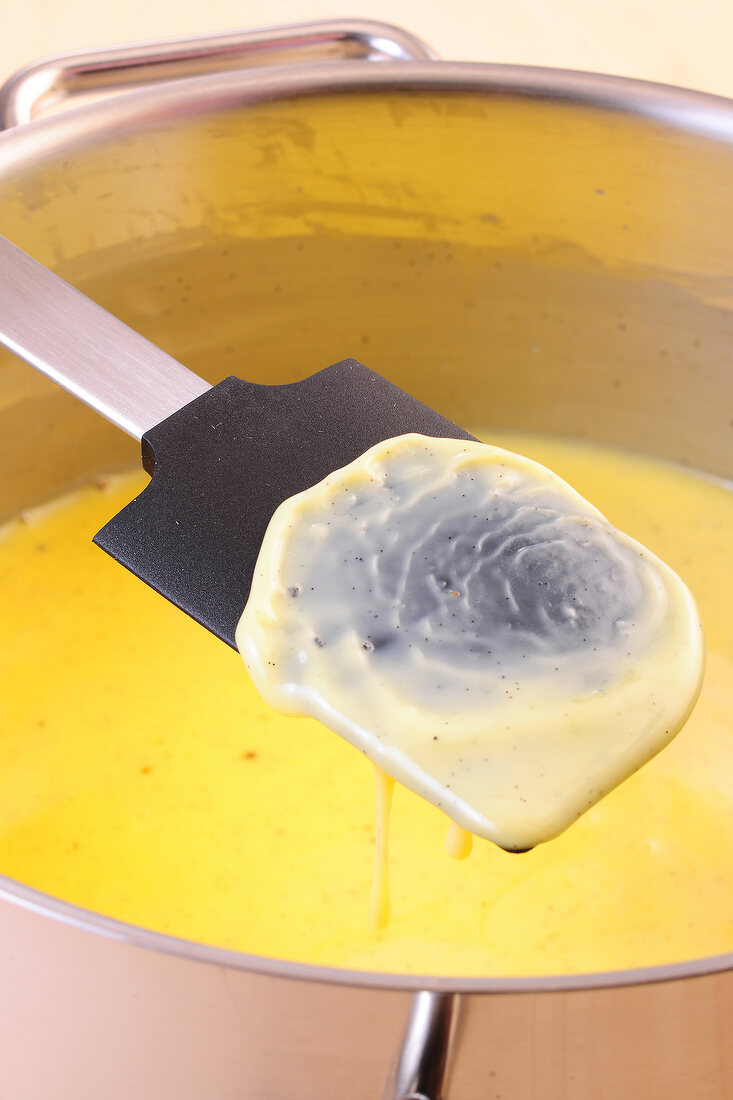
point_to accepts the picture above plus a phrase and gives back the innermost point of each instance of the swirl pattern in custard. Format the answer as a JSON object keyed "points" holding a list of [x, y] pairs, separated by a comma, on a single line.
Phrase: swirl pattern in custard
{"points": [[475, 627]]}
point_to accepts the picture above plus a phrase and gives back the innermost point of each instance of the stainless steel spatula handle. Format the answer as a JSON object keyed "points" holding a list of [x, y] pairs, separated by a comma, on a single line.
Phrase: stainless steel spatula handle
{"points": [[86, 350]]}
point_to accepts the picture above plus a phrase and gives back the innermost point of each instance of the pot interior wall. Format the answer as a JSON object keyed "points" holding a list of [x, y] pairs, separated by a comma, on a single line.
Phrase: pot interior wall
{"points": [[513, 262]]}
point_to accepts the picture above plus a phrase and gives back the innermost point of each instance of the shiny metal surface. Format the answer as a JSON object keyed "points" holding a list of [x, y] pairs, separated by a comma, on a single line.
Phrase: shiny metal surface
{"points": [[522, 248], [45, 84], [420, 1073], [83, 348]]}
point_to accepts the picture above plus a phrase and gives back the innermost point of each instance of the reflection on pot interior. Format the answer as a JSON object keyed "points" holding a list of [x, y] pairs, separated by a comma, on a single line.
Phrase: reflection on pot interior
{"points": [[189, 807]]}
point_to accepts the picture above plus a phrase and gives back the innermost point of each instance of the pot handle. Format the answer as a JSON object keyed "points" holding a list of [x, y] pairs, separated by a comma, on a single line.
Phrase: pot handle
{"points": [[44, 84], [422, 1064]]}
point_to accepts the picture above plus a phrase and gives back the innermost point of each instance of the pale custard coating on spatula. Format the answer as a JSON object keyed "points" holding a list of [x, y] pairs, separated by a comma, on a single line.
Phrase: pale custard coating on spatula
{"points": [[474, 626]]}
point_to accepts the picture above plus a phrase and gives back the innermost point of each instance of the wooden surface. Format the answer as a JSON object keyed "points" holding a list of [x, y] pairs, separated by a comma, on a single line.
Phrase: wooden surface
{"points": [[684, 42]]}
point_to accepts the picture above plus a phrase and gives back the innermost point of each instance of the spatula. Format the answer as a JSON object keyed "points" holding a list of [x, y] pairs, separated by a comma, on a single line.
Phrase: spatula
{"points": [[222, 458]]}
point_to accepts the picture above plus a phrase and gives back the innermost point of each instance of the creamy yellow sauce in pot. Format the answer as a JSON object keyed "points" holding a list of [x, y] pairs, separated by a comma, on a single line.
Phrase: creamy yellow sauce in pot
{"points": [[476, 628], [142, 776]]}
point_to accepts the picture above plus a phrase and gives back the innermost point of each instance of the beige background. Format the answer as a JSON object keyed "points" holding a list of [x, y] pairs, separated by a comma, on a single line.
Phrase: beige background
{"points": [[685, 42]]}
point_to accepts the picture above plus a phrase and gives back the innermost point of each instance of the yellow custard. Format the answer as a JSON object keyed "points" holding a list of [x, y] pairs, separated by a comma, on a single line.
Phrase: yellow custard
{"points": [[142, 776]]}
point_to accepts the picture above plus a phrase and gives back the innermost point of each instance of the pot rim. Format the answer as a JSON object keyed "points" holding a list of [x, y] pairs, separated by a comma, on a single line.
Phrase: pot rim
{"points": [[129, 112], [25, 897], [692, 111]]}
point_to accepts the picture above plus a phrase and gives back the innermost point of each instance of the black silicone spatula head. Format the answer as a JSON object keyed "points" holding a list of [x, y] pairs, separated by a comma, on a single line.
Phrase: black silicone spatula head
{"points": [[222, 458], [221, 466]]}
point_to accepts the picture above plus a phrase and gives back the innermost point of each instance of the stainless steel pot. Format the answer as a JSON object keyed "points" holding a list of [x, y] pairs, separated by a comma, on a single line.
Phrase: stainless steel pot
{"points": [[520, 247]]}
